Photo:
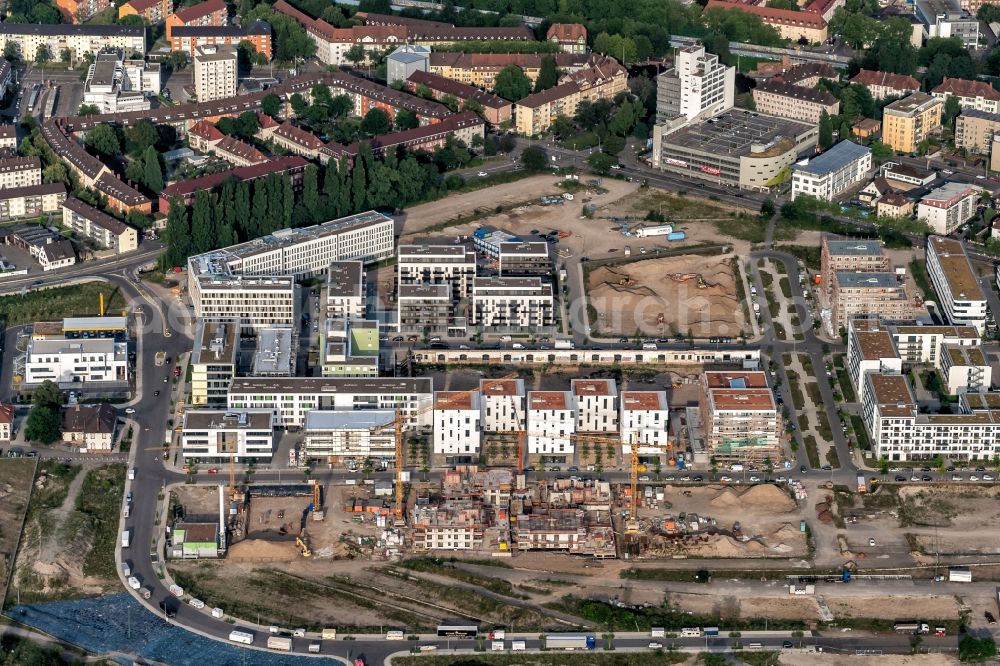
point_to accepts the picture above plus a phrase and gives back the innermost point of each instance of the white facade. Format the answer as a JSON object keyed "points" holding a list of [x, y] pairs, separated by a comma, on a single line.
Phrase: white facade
{"points": [[258, 302], [504, 303], [359, 434], [948, 207], [20, 172], [215, 72], [503, 404], [77, 360], [551, 422], [596, 403], [291, 398], [644, 420], [454, 265], [831, 173], [116, 85], [221, 434], [870, 348], [960, 296], [345, 290], [697, 85], [457, 422], [966, 369], [79, 39]]}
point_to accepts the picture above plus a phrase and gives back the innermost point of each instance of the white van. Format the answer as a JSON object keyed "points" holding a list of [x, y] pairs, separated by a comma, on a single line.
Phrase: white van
{"points": [[517, 345], [517, 646]]}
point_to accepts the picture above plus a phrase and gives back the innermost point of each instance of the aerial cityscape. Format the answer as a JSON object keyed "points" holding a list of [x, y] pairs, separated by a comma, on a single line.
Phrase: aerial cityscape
{"points": [[499, 334]]}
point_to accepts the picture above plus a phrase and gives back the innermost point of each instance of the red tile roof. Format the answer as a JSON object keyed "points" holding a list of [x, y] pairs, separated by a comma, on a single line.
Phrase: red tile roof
{"points": [[966, 88], [195, 12], [275, 165], [141, 6], [772, 15], [206, 130], [869, 77], [566, 32], [299, 136]]}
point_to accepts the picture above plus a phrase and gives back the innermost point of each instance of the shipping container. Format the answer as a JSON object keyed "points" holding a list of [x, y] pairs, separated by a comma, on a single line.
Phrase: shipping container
{"points": [[217, 612], [959, 575], [517, 646], [657, 632], [394, 635], [244, 637], [570, 642], [329, 634], [496, 646], [176, 590], [314, 648], [676, 235]]}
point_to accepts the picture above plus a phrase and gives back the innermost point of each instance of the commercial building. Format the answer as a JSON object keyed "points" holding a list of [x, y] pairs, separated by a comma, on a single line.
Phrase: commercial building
{"points": [[551, 422], [697, 86], [512, 304], [405, 61], [89, 222], [948, 207], [117, 85], [457, 422], [959, 294], [31, 200], [291, 398], [879, 294], [886, 84], [189, 38], [908, 121], [643, 421], [736, 148], [349, 348], [596, 405], [151, 11], [90, 428], [76, 361], [214, 360], [534, 113], [974, 131], [79, 39], [256, 301], [790, 101], [791, 24], [215, 72], [344, 292], [495, 109], [740, 417], [427, 309], [946, 18], [972, 95], [481, 69], [358, 434], [209, 13], [20, 171], [452, 265], [829, 174], [274, 356], [503, 405], [520, 259], [571, 37], [222, 436]]}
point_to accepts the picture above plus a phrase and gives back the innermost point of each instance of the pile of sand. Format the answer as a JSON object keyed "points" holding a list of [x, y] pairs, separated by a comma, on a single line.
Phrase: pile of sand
{"points": [[786, 531], [768, 497], [259, 549], [727, 499]]}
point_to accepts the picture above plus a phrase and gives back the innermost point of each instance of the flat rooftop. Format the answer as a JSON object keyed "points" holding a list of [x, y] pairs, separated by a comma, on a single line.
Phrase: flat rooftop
{"points": [[644, 400], [95, 323], [216, 341], [344, 279], [464, 400], [425, 253], [550, 400], [218, 419], [735, 379], [853, 248], [425, 291], [960, 355], [593, 387], [875, 345], [866, 280], [505, 387], [333, 385], [530, 248], [274, 352], [737, 399], [956, 268], [735, 131], [968, 332], [892, 393], [342, 419], [284, 283], [77, 346], [912, 104]]}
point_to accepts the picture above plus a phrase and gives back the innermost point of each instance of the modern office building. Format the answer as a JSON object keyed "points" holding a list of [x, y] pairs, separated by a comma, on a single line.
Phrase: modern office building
{"points": [[216, 72], [78, 361], [256, 301], [358, 434], [829, 174], [697, 86], [214, 360], [959, 295], [223, 436], [405, 61], [946, 18], [740, 417], [908, 121], [117, 85]]}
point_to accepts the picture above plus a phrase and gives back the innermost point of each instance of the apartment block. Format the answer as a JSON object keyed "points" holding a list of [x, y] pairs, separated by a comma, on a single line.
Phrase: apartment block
{"points": [[80, 11], [948, 207], [534, 113], [972, 95], [425, 308], [349, 348], [643, 420], [503, 405], [273, 356], [511, 303], [740, 417], [89, 222], [344, 292], [974, 131], [908, 121], [215, 72], [886, 84], [450, 524], [495, 109], [76, 361], [966, 369], [871, 347], [879, 294], [551, 422], [571, 37], [790, 24], [188, 38], [833, 172], [785, 100], [151, 11], [960, 296], [209, 13], [457, 423], [697, 85], [481, 69], [79, 39], [452, 265], [287, 166], [861, 256], [926, 344], [214, 360], [20, 172], [358, 434], [222, 436], [596, 403], [894, 205], [524, 259]]}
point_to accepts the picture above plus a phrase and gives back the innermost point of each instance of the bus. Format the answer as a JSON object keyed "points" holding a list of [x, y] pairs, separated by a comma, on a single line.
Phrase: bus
{"points": [[33, 100], [458, 630], [570, 642], [244, 637]]}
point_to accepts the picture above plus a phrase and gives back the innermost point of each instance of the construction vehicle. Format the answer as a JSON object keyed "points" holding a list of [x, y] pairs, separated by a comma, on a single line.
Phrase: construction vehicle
{"points": [[303, 547]]}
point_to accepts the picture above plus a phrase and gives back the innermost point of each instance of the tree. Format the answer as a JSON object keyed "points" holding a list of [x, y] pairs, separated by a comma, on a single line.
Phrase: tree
{"points": [[241, 209], [880, 152], [375, 122], [825, 130], [56, 173], [310, 191], [952, 107], [548, 74], [512, 84], [271, 105], [140, 136], [47, 395], [177, 235], [153, 174], [176, 60], [356, 54], [321, 95], [12, 52], [135, 171], [88, 110], [971, 648], [202, 226], [65, 56], [767, 209], [534, 158], [405, 119], [42, 55], [298, 103], [44, 425], [601, 163], [104, 141]]}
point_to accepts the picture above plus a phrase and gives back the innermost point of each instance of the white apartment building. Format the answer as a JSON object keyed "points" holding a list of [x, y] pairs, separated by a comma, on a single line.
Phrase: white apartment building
{"points": [[948, 207], [221, 436], [453, 524], [925, 344], [551, 422], [345, 290], [965, 370], [291, 398], [89, 222], [454, 265], [740, 416], [215, 72], [644, 419], [977, 95], [20, 171], [870, 348], [829, 174], [78, 361], [8, 132], [349, 348], [697, 85], [79, 39], [596, 404], [960, 296], [214, 360], [457, 422], [256, 301], [503, 404], [359, 434], [506, 303]]}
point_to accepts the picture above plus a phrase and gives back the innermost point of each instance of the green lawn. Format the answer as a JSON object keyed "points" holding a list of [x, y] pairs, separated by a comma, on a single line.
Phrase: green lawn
{"points": [[78, 300]]}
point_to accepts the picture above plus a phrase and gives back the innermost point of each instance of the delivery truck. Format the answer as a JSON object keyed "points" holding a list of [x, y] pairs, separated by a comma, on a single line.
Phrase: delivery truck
{"points": [[126, 538], [564, 344], [570, 642]]}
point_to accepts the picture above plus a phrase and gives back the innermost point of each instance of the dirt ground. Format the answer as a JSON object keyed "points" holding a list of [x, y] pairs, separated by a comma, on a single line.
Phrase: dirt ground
{"points": [[894, 607], [816, 659], [665, 296], [970, 515], [15, 485]]}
